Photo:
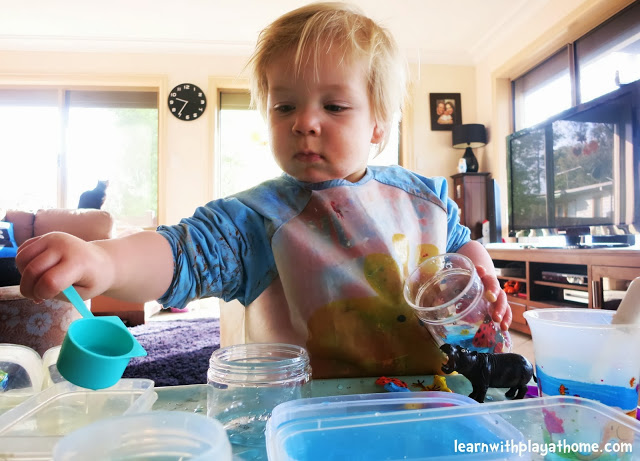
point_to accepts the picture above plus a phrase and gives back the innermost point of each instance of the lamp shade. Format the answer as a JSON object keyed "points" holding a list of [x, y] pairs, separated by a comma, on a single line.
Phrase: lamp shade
{"points": [[469, 135]]}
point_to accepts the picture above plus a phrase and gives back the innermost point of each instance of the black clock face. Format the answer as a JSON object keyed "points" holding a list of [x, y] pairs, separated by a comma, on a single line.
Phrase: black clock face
{"points": [[187, 102]]}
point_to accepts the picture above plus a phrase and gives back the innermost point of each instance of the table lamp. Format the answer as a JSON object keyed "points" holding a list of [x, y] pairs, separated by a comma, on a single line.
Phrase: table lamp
{"points": [[467, 137]]}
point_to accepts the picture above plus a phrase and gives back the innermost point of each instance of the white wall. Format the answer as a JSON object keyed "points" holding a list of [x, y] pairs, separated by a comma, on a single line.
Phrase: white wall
{"points": [[429, 152]]}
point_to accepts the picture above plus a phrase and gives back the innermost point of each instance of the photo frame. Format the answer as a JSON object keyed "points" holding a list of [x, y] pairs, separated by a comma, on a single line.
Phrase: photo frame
{"points": [[446, 111]]}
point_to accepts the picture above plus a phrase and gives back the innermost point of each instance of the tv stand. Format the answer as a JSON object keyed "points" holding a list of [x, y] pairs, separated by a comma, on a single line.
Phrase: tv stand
{"points": [[593, 278]]}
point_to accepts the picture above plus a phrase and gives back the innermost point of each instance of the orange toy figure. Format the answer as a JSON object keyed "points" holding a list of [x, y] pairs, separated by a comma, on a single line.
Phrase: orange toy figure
{"points": [[512, 287]]}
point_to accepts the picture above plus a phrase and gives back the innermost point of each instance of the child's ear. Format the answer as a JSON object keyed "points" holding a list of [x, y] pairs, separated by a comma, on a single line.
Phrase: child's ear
{"points": [[378, 134]]}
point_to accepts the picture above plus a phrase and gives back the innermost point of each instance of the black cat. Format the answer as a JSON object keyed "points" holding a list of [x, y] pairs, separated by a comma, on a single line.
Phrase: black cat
{"points": [[94, 198]]}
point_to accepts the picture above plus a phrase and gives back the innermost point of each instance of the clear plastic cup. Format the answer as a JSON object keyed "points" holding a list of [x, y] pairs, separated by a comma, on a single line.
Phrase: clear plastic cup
{"points": [[249, 380], [447, 294], [579, 352]]}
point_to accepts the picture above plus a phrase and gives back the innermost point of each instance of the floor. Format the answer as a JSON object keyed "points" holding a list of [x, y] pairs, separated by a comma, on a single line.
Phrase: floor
{"points": [[203, 308]]}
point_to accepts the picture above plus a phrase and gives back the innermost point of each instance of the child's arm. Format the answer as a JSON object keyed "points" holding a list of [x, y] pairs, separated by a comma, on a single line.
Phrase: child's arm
{"points": [[135, 268], [478, 254]]}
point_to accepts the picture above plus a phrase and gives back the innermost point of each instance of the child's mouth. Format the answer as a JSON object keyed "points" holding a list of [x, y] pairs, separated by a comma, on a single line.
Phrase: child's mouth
{"points": [[308, 156]]}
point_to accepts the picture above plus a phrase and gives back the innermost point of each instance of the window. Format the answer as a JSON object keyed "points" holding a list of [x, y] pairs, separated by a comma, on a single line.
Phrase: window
{"points": [[108, 135], [609, 55], [543, 91], [595, 64], [245, 155]]}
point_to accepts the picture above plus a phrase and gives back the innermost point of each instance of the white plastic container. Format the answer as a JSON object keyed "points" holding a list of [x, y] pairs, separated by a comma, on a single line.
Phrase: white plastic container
{"points": [[158, 435], [49, 369], [23, 367], [31, 429], [580, 352]]}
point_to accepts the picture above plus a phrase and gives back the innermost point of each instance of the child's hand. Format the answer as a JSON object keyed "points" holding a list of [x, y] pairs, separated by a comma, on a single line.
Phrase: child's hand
{"points": [[55, 261], [501, 311]]}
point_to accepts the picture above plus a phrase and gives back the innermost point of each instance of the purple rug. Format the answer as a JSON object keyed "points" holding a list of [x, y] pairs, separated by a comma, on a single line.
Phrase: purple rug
{"points": [[178, 351]]}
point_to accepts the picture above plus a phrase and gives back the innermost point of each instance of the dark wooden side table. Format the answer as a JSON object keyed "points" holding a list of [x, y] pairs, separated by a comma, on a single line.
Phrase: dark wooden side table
{"points": [[470, 194]]}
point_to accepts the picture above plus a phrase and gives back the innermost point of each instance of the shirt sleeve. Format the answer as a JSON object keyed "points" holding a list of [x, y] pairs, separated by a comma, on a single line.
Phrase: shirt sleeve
{"points": [[222, 251], [457, 234]]}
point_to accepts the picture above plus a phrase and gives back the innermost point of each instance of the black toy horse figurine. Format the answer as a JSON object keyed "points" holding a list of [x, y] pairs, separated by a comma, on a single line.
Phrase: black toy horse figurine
{"points": [[489, 370]]}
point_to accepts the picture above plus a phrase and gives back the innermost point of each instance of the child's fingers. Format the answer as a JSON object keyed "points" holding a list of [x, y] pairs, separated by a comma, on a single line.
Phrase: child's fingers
{"points": [[508, 317], [33, 268]]}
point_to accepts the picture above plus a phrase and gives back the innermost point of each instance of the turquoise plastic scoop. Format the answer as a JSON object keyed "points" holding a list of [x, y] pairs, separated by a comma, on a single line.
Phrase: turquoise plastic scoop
{"points": [[96, 350]]}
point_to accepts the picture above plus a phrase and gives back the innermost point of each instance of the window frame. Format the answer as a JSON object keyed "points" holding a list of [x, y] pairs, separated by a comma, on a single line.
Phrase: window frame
{"points": [[573, 63]]}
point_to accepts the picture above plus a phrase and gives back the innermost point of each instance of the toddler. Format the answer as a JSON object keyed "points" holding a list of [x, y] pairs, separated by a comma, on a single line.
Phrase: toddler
{"points": [[318, 256]]}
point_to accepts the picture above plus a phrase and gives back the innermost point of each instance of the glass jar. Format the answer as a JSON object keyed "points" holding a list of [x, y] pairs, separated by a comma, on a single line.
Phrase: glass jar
{"points": [[249, 380], [447, 294]]}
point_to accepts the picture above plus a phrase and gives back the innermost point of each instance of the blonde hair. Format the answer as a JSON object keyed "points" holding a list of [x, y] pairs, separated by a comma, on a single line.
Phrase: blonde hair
{"points": [[318, 27]]}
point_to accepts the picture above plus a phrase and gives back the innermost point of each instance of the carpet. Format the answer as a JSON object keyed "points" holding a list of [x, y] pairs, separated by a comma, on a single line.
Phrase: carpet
{"points": [[178, 351]]}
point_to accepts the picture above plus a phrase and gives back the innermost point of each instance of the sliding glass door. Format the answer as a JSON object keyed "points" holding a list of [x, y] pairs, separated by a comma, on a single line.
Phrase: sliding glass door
{"points": [[57, 143]]}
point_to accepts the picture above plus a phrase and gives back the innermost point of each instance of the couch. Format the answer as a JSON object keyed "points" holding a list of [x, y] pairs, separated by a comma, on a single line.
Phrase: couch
{"points": [[42, 326]]}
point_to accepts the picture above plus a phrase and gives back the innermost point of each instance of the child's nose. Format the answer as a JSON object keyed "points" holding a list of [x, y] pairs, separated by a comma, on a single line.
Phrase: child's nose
{"points": [[307, 122]]}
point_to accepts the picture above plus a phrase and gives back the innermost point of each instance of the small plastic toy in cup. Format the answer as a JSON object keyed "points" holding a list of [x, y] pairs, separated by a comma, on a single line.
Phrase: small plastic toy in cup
{"points": [[447, 294]]}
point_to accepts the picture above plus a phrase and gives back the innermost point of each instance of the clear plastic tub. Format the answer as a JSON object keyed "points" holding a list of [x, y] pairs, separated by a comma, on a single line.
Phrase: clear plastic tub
{"points": [[159, 435], [31, 429], [375, 426], [547, 428]]}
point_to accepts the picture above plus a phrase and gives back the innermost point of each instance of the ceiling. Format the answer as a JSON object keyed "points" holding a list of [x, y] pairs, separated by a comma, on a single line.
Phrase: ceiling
{"points": [[431, 31]]}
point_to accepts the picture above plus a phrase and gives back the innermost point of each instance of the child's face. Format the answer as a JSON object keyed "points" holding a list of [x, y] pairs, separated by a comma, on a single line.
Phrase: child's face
{"points": [[321, 127]]}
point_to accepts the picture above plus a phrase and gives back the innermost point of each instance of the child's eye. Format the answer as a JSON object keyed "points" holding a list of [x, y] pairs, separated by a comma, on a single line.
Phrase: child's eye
{"points": [[284, 108], [334, 108]]}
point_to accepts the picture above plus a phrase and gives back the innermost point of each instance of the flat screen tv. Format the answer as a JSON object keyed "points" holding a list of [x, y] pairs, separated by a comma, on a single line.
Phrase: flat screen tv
{"points": [[579, 170]]}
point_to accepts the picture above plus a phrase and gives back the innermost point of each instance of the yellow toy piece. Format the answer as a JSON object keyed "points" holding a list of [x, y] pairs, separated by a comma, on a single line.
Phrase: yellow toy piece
{"points": [[439, 384]]}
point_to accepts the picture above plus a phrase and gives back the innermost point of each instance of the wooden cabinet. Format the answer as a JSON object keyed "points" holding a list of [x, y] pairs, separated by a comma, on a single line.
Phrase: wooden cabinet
{"points": [[586, 278], [470, 194]]}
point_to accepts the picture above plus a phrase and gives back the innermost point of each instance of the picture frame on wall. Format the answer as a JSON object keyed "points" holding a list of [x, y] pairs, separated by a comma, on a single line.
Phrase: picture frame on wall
{"points": [[446, 111]]}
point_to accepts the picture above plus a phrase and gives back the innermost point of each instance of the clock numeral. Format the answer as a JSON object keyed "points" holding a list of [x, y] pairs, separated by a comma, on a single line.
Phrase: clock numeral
{"points": [[200, 94], [186, 87], [195, 114], [174, 94], [173, 109]]}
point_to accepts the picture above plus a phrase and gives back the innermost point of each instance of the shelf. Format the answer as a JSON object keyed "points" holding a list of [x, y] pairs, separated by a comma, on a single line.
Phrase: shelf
{"points": [[548, 303], [561, 285], [515, 279], [515, 298]]}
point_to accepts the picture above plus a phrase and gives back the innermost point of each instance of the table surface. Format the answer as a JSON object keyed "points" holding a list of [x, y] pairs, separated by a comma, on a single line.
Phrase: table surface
{"points": [[193, 398]]}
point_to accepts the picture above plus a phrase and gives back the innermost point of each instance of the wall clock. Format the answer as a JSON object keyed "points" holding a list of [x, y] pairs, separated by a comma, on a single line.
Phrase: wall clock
{"points": [[187, 101]]}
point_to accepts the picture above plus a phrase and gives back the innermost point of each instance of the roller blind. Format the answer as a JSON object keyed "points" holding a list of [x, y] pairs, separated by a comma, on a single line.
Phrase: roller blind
{"points": [[235, 101]]}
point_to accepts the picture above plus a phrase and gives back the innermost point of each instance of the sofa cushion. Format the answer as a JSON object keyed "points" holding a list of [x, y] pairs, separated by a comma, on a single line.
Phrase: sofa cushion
{"points": [[86, 224], [22, 224]]}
